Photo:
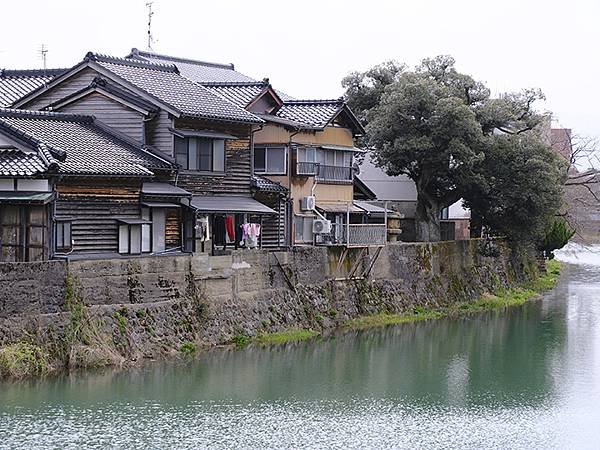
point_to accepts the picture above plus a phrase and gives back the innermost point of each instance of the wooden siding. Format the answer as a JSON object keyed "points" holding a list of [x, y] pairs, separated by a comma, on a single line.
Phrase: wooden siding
{"points": [[94, 209], [273, 232], [236, 180], [158, 134], [60, 91], [173, 228], [112, 113]]}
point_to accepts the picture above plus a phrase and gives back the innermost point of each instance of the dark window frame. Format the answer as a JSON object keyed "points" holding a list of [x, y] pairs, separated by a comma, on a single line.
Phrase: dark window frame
{"points": [[63, 228], [267, 149], [179, 155]]}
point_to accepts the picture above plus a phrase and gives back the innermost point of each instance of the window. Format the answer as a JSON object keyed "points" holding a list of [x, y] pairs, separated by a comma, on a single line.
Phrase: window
{"points": [[135, 237], [269, 160], [200, 154], [307, 154], [336, 158], [62, 236], [444, 213], [303, 229]]}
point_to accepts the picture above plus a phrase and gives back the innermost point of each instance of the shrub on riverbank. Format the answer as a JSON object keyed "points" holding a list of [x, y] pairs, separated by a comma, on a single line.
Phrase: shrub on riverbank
{"points": [[501, 299], [22, 360]]}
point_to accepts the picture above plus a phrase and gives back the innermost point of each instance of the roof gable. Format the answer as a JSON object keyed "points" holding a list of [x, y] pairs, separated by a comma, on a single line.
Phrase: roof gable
{"points": [[15, 84], [321, 113], [87, 147], [160, 84], [257, 97]]}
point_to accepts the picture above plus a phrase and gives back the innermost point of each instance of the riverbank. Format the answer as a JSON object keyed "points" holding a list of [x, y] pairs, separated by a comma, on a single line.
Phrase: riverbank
{"points": [[503, 298], [87, 314]]}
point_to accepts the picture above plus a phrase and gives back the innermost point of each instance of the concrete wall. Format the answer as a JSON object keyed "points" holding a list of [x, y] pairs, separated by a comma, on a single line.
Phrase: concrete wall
{"points": [[148, 307]]}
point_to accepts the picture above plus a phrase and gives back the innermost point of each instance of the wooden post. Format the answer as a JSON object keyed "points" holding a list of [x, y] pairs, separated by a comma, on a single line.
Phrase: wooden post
{"points": [[347, 223]]}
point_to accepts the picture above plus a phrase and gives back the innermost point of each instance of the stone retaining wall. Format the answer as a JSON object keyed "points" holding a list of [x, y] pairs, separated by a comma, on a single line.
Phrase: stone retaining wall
{"points": [[149, 307]]}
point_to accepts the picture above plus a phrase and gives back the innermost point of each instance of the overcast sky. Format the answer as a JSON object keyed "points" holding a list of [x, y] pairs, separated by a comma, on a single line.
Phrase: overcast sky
{"points": [[306, 47]]}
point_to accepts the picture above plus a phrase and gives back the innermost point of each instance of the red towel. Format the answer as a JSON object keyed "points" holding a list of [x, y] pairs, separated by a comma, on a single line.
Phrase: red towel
{"points": [[230, 228]]}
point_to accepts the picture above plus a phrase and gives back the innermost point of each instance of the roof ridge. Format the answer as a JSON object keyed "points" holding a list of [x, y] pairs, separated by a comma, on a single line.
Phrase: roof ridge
{"points": [[26, 113], [262, 83], [91, 56], [141, 53], [328, 101], [31, 72]]}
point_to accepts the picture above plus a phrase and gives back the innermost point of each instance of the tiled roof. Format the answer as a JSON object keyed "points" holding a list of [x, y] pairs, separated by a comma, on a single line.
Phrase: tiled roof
{"points": [[14, 163], [198, 71], [266, 185], [240, 94], [317, 113], [163, 82], [87, 148], [15, 84]]}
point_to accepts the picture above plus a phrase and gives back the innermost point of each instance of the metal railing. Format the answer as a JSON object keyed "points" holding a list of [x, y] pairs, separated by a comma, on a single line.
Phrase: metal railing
{"points": [[334, 173], [354, 235], [307, 168], [323, 172]]}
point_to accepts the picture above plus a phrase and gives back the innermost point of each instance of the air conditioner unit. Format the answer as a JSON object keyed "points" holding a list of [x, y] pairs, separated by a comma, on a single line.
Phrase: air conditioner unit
{"points": [[321, 226], [307, 203]]}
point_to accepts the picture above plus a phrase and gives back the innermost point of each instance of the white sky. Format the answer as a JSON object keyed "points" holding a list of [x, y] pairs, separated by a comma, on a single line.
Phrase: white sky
{"points": [[306, 47]]}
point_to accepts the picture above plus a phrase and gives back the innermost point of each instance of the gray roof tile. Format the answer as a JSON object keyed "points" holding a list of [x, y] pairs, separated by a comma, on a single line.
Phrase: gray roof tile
{"points": [[88, 149], [316, 113], [15, 84], [240, 94], [198, 71], [163, 82], [265, 185], [16, 163]]}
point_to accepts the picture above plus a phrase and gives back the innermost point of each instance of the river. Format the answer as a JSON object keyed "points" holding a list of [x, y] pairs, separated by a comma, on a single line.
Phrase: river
{"points": [[527, 377]]}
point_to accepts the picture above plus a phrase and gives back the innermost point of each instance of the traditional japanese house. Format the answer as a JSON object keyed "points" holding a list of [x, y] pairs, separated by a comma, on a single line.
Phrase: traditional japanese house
{"points": [[205, 135], [72, 187], [302, 158]]}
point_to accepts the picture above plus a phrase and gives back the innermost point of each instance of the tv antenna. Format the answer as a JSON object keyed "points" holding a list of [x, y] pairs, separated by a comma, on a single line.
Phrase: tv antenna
{"points": [[43, 53], [150, 14]]}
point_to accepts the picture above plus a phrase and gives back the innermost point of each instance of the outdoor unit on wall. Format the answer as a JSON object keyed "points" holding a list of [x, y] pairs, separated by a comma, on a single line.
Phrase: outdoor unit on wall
{"points": [[308, 203], [321, 226]]}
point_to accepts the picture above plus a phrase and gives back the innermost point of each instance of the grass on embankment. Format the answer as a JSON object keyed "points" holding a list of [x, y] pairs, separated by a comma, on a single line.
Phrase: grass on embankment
{"points": [[501, 299], [282, 337], [22, 359]]}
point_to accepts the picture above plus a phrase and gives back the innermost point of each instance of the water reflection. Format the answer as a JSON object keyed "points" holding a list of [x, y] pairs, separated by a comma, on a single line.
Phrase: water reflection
{"points": [[526, 377]]}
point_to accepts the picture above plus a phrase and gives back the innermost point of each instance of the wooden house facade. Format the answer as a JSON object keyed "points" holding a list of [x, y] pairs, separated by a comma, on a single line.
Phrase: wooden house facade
{"points": [[205, 137]]}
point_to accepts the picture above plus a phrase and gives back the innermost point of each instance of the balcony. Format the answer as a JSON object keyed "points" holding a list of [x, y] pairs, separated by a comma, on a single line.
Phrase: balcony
{"points": [[334, 173], [354, 235], [324, 172], [309, 169]]}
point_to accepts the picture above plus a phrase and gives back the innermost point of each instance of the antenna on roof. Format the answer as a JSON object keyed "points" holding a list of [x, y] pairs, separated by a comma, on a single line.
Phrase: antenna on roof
{"points": [[43, 53], [150, 14]]}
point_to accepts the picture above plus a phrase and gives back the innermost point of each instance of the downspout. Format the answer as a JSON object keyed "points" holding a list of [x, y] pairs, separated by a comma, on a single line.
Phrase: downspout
{"points": [[290, 201]]}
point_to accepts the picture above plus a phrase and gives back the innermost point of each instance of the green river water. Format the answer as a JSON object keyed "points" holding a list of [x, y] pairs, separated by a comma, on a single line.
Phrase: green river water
{"points": [[527, 377]]}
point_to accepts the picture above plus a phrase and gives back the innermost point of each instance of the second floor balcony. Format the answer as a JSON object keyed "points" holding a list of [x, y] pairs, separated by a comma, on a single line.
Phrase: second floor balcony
{"points": [[324, 172]]}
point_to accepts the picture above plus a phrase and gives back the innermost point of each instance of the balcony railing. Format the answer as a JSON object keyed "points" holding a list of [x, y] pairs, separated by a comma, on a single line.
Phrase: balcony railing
{"points": [[323, 172], [334, 173], [307, 168], [354, 235]]}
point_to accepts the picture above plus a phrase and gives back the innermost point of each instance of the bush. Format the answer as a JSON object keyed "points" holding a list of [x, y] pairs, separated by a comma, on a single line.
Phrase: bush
{"points": [[21, 360], [188, 348]]}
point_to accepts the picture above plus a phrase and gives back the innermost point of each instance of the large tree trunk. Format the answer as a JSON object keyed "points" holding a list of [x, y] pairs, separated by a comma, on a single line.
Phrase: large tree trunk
{"points": [[427, 219]]}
